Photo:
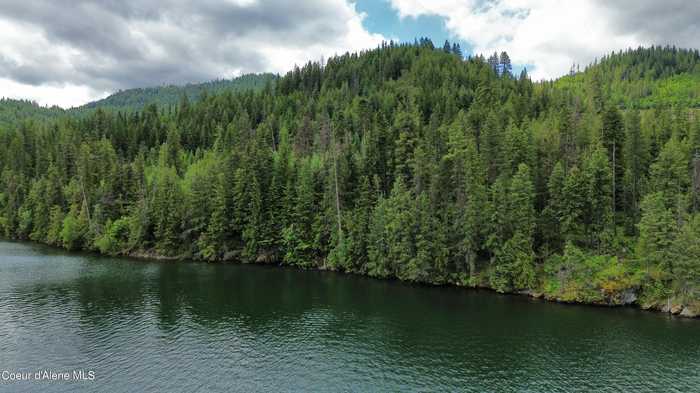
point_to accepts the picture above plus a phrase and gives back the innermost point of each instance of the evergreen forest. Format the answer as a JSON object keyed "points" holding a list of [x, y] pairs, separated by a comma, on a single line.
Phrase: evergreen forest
{"points": [[407, 161]]}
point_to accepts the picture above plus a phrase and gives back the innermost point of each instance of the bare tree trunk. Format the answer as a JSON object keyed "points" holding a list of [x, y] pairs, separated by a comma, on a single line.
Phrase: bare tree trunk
{"points": [[614, 188], [471, 262], [696, 181], [337, 194], [272, 134], [85, 202]]}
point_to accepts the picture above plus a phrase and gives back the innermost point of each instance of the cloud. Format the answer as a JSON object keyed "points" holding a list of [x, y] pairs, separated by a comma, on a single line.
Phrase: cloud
{"points": [[67, 53], [672, 22], [52, 50], [551, 35]]}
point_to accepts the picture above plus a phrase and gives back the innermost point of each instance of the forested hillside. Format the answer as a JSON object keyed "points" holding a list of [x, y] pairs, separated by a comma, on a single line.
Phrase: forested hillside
{"points": [[640, 78], [14, 112], [165, 96], [405, 161]]}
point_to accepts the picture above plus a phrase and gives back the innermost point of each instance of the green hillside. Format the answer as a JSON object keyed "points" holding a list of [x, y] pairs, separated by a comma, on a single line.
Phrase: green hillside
{"points": [[164, 96], [641, 78], [14, 111]]}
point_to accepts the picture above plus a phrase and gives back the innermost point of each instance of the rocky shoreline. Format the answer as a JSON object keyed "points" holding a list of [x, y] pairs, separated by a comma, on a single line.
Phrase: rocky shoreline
{"points": [[627, 298]]}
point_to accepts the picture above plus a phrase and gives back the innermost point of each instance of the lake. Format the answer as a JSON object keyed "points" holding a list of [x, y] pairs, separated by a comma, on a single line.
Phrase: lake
{"points": [[176, 326]]}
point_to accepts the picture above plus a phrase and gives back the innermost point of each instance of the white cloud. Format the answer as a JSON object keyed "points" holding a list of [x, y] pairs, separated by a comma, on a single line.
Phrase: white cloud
{"points": [[354, 38], [67, 57], [65, 96], [549, 34], [18, 43]]}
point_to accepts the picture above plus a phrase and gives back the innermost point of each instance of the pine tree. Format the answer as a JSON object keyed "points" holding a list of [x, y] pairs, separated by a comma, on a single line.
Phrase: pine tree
{"points": [[53, 233], [39, 208], [465, 184], [670, 174], [494, 63], [299, 237], [513, 262], [166, 211], [213, 242], [685, 254], [595, 92], [378, 263], [254, 228], [358, 227], [400, 230], [598, 203], [491, 145], [517, 148], [514, 265], [521, 198], [657, 231], [75, 227], [447, 48], [613, 138], [635, 154], [457, 50], [430, 260], [406, 129], [498, 224], [506, 69], [554, 214], [574, 220]]}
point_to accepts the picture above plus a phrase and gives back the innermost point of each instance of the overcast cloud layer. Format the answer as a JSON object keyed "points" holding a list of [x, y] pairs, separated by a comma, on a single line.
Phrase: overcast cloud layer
{"points": [[67, 53], [551, 34]]}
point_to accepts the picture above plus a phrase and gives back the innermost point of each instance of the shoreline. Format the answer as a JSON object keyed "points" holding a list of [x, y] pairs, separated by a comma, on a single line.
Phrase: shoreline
{"points": [[674, 310]]}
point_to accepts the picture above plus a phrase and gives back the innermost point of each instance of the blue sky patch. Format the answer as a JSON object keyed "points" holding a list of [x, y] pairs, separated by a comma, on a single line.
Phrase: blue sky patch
{"points": [[383, 19]]}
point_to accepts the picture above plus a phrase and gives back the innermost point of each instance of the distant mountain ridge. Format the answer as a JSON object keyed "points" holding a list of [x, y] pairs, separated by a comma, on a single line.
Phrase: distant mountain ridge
{"points": [[14, 111], [137, 98], [641, 78]]}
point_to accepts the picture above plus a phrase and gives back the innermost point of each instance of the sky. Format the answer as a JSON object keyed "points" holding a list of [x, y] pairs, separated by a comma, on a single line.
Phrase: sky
{"points": [[69, 52]]}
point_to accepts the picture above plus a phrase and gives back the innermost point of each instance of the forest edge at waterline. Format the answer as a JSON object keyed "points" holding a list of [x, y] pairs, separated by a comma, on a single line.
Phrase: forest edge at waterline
{"points": [[406, 161], [630, 299]]}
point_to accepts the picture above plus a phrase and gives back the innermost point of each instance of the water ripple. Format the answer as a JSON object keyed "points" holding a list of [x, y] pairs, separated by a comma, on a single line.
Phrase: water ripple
{"points": [[199, 327]]}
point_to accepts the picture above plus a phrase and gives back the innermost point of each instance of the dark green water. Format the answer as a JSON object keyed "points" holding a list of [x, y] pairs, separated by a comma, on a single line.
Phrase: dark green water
{"points": [[148, 326]]}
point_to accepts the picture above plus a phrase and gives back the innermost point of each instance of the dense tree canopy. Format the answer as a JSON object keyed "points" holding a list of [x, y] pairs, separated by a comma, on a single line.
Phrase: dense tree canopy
{"points": [[165, 96], [406, 161], [641, 78]]}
